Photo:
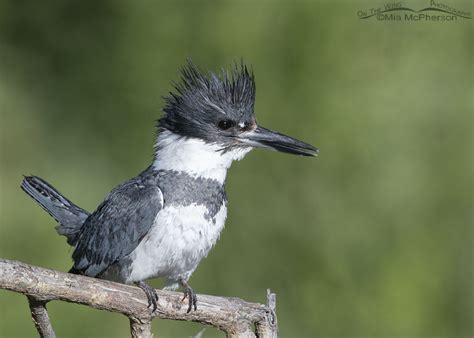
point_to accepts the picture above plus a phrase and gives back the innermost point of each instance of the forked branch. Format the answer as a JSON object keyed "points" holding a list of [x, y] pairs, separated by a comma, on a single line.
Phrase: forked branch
{"points": [[232, 315]]}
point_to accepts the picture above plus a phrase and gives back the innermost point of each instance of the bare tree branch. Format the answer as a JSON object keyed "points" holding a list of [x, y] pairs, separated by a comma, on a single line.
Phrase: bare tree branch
{"points": [[140, 329], [40, 317], [269, 327], [232, 315]]}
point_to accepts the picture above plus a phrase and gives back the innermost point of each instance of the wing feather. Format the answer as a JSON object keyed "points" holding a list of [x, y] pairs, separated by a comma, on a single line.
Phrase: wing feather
{"points": [[118, 225]]}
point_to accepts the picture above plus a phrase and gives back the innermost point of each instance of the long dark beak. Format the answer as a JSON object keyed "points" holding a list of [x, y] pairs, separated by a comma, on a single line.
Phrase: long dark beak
{"points": [[266, 138]]}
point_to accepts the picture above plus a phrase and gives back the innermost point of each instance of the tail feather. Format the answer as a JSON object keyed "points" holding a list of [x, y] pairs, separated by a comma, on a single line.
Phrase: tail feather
{"points": [[69, 216]]}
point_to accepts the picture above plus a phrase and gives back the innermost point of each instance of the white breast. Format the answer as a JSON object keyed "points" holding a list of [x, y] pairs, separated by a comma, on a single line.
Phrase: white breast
{"points": [[179, 239]]}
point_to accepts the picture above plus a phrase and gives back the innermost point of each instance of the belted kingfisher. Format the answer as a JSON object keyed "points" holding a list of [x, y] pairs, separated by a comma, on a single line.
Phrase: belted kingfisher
{"points": [[164, 221]]}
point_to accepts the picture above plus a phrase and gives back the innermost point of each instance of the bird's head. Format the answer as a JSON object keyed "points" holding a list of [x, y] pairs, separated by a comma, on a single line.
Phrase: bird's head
{"points": [[218, 109]]}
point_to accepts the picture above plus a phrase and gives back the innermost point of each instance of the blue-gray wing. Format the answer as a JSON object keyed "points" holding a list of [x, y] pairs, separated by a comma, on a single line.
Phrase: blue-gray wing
{"points": [[118, 225]]}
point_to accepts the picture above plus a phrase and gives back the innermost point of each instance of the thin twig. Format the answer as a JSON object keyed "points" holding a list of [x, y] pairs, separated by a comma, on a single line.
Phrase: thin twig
{"points": [[269, 327]]}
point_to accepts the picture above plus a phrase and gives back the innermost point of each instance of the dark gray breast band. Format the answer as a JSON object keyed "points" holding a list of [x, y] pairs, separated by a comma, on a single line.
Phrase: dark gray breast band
{"points": [[181, 189]]}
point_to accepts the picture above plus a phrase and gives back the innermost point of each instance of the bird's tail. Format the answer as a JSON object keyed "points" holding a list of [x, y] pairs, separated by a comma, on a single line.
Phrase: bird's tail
{"points": [[69, 216]]}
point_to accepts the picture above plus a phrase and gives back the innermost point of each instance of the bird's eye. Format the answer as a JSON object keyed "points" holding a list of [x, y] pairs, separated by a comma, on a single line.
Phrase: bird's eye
{"points": [[226, 124]]}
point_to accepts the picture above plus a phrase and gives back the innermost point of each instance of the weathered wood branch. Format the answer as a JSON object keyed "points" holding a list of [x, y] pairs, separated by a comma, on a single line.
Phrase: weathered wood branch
{"points": [[40, 317], [234, 316]]}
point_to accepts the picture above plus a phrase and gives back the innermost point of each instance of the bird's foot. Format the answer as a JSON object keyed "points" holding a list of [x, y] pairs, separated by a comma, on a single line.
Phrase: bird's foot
{"points": [[189, 293], [150, 294]]}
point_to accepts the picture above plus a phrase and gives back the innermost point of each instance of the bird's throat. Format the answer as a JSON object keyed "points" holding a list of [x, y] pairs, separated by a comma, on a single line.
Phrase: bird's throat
{"points": [[193, 156]]}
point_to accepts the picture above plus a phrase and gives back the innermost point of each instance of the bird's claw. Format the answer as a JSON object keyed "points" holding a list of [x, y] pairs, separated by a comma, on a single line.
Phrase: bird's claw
{"points": [[151, 295], [189, 293]]}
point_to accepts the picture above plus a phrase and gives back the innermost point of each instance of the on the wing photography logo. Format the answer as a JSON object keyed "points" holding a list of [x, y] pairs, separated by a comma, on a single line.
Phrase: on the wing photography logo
{"points": [[397, 11]]}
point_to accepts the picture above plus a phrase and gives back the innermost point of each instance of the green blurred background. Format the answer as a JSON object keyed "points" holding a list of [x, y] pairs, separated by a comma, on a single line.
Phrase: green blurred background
{"points": [[374, 238]]}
